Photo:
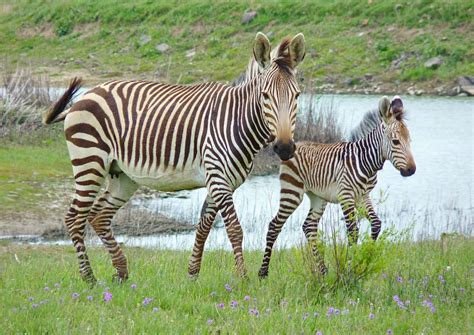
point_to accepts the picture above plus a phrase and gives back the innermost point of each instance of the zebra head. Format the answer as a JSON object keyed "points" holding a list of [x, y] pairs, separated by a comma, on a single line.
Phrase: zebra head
{"points": [[397, 137], [279, 90]]}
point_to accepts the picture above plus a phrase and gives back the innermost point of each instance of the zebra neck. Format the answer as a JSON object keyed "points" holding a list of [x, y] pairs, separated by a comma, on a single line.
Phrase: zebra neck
{"points": [[252, 124], [371, 153]]}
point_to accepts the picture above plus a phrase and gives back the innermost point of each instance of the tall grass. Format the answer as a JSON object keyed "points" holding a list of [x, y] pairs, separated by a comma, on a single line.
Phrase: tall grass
{"points": [[23, 97]]}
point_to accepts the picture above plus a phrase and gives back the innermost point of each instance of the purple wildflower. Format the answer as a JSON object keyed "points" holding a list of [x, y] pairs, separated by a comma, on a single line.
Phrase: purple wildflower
{"points": [[46, 288], [90, 298], [107, 296], [399, 279], [30, 299], [228, 288], [352, 302], [319, 332], [384, 275], [462, 290], [234, 304], [315, 314], [371, 316], [57, 285], [213, 293], [155, 309], [247, 298], [133, 286], [330, 311], [75, 295], [396, 298], [254, 311], [146, 301], [305, 316], [210, 321], [441, 279], [432, 309], [337, 312], [35, 305], [220, 305], [389, 331]]}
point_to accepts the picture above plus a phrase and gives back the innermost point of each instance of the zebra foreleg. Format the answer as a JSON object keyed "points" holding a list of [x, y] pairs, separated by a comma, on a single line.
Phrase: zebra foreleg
{"points": [[208, 215], [290, 199], [310, 229], [348, 208], [375, 223], [117, 194]]}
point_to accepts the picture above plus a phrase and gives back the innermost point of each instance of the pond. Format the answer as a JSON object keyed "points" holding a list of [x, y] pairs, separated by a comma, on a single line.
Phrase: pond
{"points": [[438, 198]]}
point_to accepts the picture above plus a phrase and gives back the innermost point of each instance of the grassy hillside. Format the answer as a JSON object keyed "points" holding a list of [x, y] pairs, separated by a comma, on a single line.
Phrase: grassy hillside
{"points": [[348, 42], [394, 295]]}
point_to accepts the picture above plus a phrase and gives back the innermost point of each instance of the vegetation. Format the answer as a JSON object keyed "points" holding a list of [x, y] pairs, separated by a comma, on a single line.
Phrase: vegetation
{"points": [[394, 295], [348, 42]]}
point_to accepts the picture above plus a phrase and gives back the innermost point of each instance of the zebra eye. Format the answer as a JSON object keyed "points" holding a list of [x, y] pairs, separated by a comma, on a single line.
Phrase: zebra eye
{"points": [[265, 95], [297, 95], [396, 142]]}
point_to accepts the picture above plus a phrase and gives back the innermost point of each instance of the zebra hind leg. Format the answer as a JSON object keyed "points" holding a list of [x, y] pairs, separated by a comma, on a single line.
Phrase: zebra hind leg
{"points": [[88, 185], [375, 223], [208, 215], [119, 190], [310, 229]]}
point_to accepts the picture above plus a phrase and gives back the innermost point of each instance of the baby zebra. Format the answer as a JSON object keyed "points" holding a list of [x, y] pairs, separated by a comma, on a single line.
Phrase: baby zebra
{"points": [[343, 172]]}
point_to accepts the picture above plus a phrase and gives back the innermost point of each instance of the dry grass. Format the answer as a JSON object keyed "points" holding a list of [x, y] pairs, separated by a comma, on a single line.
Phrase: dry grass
{"points": [[23, 96]]}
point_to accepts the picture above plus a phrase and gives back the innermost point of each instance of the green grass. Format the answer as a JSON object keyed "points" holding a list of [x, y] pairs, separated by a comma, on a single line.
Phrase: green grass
{"points": [[103, 38], [28, 171], [291, 291]]}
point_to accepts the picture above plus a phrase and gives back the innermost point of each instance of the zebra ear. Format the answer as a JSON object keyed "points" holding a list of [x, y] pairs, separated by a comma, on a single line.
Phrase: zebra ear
{"points": [[261, 50], [384, 109], [297, 49]]}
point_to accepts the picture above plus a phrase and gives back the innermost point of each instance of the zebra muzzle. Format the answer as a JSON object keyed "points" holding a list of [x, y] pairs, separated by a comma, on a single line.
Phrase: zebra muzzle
{"points": [[286, 150]]}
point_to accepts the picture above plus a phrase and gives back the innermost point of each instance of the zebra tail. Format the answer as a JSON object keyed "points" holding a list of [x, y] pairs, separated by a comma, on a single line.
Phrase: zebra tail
{"points": [[56, 112]]}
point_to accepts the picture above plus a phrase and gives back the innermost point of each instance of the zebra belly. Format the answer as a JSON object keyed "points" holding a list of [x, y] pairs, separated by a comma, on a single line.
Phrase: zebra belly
{"points": [[170, 180], [329, 193]]}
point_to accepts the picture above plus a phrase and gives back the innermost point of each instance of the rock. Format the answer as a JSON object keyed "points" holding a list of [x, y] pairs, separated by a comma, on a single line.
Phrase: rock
{"points": [[402, 58], [349, 81], [368, 76], [466, 85], [465, 80], [365, 22], [361, 34], [248, 17], [433, 63], [411, 91], [191, 53], [462, 94], [144, 39], [419, 92], [162, 47]]}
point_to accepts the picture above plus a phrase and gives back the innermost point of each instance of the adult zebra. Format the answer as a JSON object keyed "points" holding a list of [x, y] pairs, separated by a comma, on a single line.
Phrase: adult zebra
{"points": [[175, 137], [343, 172]]}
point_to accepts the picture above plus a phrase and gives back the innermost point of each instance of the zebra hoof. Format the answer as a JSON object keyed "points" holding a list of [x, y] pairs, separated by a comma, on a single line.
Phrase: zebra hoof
{"points": [[90, 280], [119, 278], [263, 274]]}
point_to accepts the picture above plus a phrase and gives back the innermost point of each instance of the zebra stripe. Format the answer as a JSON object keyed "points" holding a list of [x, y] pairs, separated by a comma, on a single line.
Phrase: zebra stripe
{"points": [[174, 137], [344, 173]]}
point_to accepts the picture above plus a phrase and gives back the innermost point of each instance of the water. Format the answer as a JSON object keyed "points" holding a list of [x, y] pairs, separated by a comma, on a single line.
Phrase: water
{"points": [[438, 198]]}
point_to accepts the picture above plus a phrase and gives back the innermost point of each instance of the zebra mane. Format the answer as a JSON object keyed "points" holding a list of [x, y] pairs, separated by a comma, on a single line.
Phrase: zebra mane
{"points": [[369, 122]]}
